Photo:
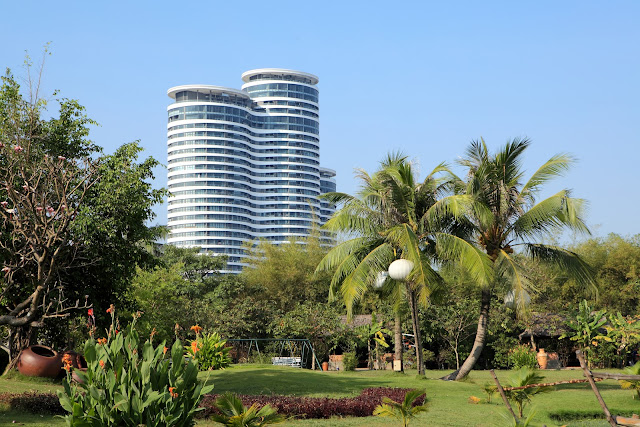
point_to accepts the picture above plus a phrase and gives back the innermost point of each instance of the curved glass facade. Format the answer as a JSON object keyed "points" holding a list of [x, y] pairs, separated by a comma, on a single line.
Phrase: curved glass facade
{"points": [[245, 164]]}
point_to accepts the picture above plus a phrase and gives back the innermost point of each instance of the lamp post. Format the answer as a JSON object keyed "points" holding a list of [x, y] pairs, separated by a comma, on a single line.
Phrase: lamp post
{"points": [[399, 270]]}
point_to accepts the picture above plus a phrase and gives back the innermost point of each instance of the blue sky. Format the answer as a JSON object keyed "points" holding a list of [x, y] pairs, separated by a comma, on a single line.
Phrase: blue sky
{"points": [[423, 77]]}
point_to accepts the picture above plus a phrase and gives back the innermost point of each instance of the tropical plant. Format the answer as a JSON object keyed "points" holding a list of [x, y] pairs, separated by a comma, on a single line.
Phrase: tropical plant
{"points": [[235, 414], [373, 333], [393, 216], [349, 361], [129, 384], [210, 351], [521, 396], [632, 384], [624, 333], [405, 411], [586, 329], [522, 356], [502, 215]]}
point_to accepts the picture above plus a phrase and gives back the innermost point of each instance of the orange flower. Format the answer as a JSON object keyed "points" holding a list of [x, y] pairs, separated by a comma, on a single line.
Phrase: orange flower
{"points": [[164, 350], [196, 329], [173, 394], [102, 364], [68, 362], [102, 341], [153, 333], [111, 309], [194, 347]]}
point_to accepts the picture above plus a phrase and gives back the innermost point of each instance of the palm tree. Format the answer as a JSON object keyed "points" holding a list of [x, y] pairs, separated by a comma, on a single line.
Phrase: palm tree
{"points": [[503, 215], [393, 217]]}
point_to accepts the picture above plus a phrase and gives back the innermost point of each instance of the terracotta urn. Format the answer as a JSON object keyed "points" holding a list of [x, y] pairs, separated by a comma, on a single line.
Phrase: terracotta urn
{"points": [[543, 358], [325, 366], [40, 361]]}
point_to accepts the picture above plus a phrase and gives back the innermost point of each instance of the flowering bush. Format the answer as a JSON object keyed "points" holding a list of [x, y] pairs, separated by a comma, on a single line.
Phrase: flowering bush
{"points": [[125, 386], [522, 356], [209, 350]]}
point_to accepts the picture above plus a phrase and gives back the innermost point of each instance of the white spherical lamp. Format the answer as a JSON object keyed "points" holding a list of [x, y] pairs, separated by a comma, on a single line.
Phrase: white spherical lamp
{"points": [[400, 269], [380, 279], [510, 300]]}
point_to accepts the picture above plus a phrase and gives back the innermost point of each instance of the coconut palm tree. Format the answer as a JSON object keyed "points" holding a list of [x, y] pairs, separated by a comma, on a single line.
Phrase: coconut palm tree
{"points": [[393, 216], [503, 216]]}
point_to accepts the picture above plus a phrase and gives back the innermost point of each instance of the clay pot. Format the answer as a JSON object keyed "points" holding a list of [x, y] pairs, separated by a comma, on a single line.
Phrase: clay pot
{"points": [[543, 358], [325, 366], [77, 360], [75, 376], [40, 361]]}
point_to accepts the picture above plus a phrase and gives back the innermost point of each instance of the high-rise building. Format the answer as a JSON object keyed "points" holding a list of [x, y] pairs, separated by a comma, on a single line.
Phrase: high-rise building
{"points": [[245, 164]]}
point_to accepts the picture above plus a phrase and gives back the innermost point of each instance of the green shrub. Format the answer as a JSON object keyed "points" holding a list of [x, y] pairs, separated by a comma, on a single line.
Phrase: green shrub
{"points": [[125, 386], [522, 356], [349, 361], [233, 413], [209, 351]]}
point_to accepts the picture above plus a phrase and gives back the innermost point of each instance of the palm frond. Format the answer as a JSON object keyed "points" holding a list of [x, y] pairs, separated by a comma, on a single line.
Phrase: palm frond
{"points": [[555, 167], [568, 261], [472, 259], [508, 267]]}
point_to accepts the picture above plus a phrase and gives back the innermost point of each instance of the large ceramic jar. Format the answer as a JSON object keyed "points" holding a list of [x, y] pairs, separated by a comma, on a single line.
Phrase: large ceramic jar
{"points": [[40, 361], [543, 358]]}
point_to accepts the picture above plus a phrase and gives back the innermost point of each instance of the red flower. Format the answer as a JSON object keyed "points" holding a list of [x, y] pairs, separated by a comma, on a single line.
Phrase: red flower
{"points": [[102, 364], [90, 312]]}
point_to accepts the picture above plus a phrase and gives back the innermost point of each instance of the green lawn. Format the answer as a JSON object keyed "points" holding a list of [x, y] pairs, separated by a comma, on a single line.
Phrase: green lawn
{"points": [[448, 401]]}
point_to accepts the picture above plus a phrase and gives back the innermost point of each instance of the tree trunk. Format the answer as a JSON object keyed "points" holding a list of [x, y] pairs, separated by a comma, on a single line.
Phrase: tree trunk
{"points": [[20, 337], [413, 305], [397, 340], [478, 344], [369, 364]]}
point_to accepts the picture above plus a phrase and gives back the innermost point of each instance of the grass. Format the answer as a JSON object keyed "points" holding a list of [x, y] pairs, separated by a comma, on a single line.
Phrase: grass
{"points": [[448, 401]]}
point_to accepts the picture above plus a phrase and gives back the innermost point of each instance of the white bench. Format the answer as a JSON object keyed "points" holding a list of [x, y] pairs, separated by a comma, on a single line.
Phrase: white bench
{"points": [[287, 361]]}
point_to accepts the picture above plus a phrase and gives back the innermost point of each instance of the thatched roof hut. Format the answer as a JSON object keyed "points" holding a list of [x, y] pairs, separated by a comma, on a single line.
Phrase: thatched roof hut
{"points": [[545, 325]]}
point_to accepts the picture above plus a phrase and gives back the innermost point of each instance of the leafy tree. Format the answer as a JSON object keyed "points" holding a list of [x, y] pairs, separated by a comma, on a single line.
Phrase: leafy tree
{"points": [[176, 291], [404, 411], [616, 262], [319, 323], [86, 213], [285, 272], [113, 229], [394, 216], [42, 196], [502, 215]]}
